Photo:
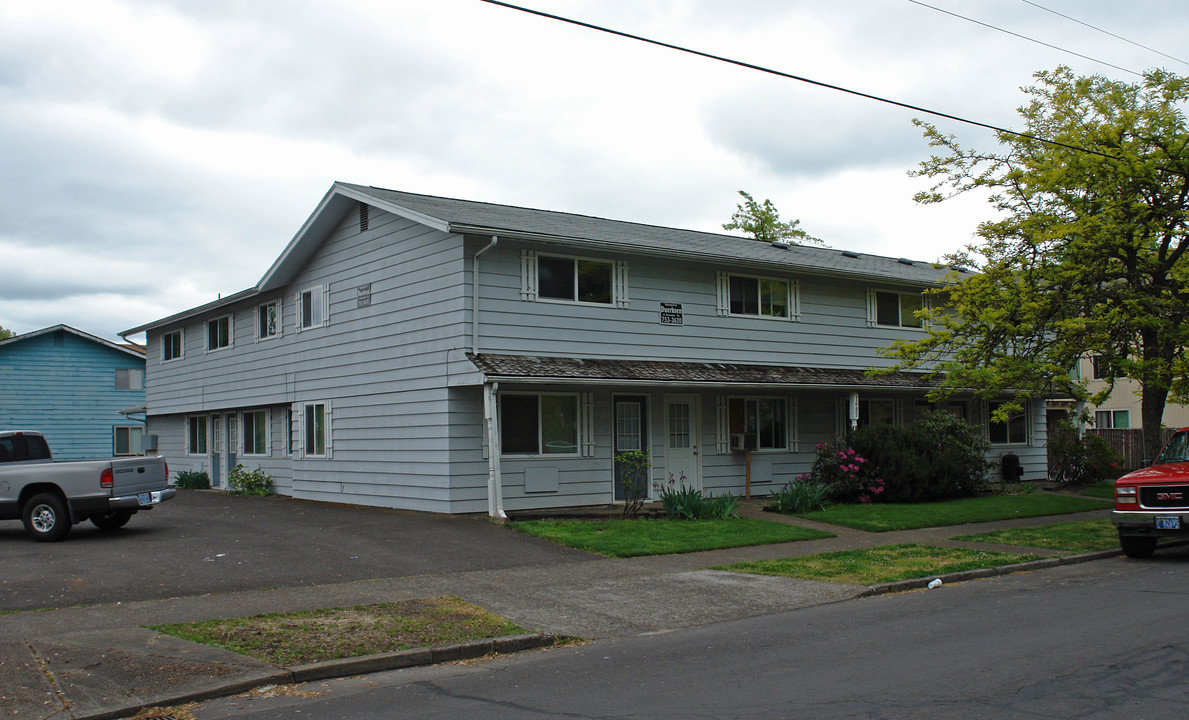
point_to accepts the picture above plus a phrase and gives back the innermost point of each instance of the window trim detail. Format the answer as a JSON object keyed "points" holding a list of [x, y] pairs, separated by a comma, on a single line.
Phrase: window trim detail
{"points": [[787, 437], [873, 308], [166, 342], [1024, 415], [203, 434], [530, 279], [317, 291], [278, 321], [115, 440], [243, 433], [305, 430], [230, 333], [583, 432], [793, 302]]}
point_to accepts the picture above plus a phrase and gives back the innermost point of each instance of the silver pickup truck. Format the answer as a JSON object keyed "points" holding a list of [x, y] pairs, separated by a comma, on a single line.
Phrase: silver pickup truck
{"points": [[50, 496]]}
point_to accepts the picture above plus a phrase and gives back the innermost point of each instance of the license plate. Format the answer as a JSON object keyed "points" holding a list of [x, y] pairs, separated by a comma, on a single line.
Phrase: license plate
{"points": [[147, 499], [1168, 523]]}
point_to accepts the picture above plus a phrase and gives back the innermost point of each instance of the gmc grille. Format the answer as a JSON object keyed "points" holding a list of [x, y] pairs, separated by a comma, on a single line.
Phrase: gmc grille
{"points": [[1168, 496]]}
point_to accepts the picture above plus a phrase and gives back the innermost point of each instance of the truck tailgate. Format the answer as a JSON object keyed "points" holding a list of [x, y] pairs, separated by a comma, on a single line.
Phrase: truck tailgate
{"points": [[135, 475]]}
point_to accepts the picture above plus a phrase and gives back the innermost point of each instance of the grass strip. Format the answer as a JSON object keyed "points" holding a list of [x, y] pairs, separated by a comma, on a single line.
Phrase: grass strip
{"points": [[1082, 536], [633, 538], [888, 563], [1104, 490], [298, 638], [884, 518]]}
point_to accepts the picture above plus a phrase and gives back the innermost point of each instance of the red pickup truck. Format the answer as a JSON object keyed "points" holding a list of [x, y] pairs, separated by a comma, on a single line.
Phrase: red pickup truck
{"points": [[1153, 502]]}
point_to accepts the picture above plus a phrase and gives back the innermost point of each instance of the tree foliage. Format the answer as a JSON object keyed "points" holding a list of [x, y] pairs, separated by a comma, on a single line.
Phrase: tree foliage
{"points": [[5, 334], [763, 223], [1087, 254]]}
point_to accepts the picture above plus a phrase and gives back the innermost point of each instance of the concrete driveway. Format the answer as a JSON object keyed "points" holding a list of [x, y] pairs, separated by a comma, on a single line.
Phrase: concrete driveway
{"points": [[208, 542]]}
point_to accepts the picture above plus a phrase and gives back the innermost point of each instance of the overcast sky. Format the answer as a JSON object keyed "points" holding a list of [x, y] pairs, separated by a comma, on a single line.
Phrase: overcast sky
{"points": [[156, 154]]}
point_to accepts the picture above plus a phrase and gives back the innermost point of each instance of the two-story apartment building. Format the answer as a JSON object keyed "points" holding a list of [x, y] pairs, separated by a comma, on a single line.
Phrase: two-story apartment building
{"points": [[436, 354]]}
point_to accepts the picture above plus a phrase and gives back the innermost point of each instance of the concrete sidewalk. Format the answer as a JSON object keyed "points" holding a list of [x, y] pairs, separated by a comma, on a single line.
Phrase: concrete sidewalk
{"points": [[50, 668]]}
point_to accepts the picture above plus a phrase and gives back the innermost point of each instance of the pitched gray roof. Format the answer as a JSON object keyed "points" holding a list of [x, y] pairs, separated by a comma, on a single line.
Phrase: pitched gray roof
{"points": [[489, 219], [525, 367]]}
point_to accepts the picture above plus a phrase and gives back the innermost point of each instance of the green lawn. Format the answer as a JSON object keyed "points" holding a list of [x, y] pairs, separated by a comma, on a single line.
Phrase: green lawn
{"points": [[632, 538], [888, 563], [1104, 490], [1082, 535], [882, 518]]}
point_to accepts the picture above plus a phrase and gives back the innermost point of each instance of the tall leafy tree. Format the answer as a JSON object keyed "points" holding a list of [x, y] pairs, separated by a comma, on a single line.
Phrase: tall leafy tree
{"points": [[1087, 254], [762, 222], [5, 334]]}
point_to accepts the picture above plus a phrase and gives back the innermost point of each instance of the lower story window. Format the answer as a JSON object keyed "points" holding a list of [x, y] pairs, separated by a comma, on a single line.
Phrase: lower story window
{"points": [[1013, 431], [256, 432], [758, 423], [127, 441], [317, 432], [1112, 419], [196, 431], [539, 424]]}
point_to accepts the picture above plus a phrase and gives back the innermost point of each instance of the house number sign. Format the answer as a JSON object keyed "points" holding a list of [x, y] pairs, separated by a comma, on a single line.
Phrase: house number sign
{"points": [[671, 314]]}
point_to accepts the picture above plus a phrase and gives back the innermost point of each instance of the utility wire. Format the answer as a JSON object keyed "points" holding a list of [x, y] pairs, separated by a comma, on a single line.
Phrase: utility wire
{"points": [[778, 73], [1105, 32], [1025, 37]]}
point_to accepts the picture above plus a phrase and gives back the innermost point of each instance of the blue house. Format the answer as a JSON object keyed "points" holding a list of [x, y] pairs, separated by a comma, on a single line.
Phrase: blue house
{"points": [[85, 393], [447, 355]]}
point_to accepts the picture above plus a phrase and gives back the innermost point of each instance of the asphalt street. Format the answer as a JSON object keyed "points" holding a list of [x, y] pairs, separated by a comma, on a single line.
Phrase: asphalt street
{"points": [[1103, 639]]}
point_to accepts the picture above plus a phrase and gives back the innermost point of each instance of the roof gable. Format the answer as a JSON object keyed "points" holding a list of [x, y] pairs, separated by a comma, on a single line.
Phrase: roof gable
{"points": [[134, 351]]}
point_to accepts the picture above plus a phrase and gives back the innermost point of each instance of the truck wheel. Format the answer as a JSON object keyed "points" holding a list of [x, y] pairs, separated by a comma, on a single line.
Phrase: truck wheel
{"points": [[46, 518], [111, 520], [1137, 547]]}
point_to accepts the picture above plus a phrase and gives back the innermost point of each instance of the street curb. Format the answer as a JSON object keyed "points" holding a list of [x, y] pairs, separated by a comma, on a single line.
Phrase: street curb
{"points": [[346, 667]]}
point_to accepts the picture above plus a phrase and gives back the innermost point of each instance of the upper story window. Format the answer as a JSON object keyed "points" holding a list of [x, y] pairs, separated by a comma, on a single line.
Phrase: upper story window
{"points": [[573, 279], [1013, 431], [268, 320], [171, 346], [894, 309], [218, 333], [129, 379], [313, 307], [1104, 369], [754, 296]]}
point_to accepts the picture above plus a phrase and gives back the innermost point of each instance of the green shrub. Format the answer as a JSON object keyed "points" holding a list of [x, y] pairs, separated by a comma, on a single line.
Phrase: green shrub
{"points": [[800, 496], [249, 482], [847, 475], [634, 480], [1087, 460], [682, 502], [192, 480]]}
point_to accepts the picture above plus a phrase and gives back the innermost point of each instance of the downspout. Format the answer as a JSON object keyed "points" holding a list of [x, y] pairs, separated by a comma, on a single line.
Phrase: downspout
{"points": [[475, 294], [495, 490]]}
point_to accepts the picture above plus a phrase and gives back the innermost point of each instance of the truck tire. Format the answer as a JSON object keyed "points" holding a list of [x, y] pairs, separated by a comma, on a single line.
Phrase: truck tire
{"points": [[1137, 547], [46, 517], [111, 520]]}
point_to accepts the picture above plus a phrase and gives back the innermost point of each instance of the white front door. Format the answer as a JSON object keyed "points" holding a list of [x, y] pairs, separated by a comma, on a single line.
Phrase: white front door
{"points": [[682, 440]]}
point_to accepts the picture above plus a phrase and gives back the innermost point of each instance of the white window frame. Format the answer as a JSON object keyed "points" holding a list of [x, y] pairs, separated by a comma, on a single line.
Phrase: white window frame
{"points": [[230, 333], [792, 302], [1024, 415], [278, 322], [243, 434], [530, 279], [583, 412], [181, 333], [115, 435], [873, 311], [789, 408], [319, 293], [304, 410], [1111, 415], [206, 435]]}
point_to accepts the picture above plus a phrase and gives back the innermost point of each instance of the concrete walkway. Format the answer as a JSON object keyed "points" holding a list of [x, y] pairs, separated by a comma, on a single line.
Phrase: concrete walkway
{"points": [[53, 669]]}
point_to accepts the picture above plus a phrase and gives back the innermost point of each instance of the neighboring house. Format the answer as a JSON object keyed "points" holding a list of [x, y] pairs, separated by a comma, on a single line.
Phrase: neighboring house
{"points": [[1121, 409], [452, 356], [83, 392]]}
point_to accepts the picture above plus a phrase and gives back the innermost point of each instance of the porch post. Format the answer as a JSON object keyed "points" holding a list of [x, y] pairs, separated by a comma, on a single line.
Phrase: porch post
{"points": [[495, 490], [852, 410]]}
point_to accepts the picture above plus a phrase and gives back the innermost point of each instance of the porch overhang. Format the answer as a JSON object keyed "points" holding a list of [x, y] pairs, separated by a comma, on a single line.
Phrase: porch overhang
{"points": [[535, 369]]}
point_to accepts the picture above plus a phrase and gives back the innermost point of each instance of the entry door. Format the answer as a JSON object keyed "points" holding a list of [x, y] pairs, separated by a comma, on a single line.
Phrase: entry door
{"points": [[631, 433], [681, 440], [217, 451]]}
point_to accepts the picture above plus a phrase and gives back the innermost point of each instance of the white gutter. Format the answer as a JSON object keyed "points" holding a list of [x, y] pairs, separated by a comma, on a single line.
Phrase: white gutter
{"points": [[495, 490], [475, 294]]}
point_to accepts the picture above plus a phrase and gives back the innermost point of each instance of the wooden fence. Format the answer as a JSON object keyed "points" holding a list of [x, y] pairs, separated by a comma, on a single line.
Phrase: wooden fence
{"points": [[1128, 443]]}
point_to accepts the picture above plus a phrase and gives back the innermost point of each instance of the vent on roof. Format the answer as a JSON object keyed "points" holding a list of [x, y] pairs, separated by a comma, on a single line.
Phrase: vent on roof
{"points": [[781, 244], [850, 254], [904, 261], [363, 216]]}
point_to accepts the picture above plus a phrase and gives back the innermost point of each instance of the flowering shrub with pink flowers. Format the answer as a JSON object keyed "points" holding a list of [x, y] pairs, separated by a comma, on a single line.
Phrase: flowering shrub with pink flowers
{"points": [[849, 475]]}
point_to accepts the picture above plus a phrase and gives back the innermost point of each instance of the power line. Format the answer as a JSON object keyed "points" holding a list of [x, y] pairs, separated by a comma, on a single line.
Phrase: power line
{"points": [[1105, 32], [778, 73], [1025, 37]]}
